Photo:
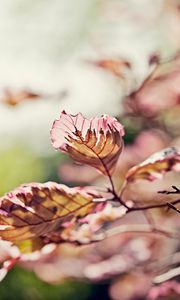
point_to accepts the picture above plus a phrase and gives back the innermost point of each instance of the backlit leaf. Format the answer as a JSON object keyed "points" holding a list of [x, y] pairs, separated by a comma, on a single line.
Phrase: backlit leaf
{"points": [[156, 165], [96, 141], [37, 210]]}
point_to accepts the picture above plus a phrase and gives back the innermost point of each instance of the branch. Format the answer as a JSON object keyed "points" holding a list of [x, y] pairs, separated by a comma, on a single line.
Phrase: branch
{"points": [[176, 191], [118, 198], [173, 207], [139, 208], [167, 204]]}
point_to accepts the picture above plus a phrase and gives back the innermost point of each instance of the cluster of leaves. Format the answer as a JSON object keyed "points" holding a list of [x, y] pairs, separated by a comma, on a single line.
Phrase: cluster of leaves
{"points": [[47, 211], [44, 226]]}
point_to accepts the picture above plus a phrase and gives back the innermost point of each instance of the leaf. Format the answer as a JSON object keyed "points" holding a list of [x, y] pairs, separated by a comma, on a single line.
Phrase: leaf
{"points": [[13, 98], [35, 210], [156, 166], [159, 91], [114, 66], [96, 142]]}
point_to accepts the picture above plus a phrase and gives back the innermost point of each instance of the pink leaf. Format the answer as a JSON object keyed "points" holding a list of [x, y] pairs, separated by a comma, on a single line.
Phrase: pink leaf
{"points": [[156, 165], [35, 210], [96, 141]]}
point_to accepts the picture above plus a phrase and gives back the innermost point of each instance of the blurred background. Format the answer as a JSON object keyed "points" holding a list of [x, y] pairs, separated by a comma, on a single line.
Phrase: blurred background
{"points": [[53, 56]]}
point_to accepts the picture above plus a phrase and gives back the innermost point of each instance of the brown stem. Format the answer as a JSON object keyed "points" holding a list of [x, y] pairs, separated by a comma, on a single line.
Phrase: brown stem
{"points": [[140, 208], [173, 207], [168, 204]]}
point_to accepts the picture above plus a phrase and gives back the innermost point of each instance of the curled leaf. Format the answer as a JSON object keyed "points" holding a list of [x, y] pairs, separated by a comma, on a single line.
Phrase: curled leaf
{"points": [[114, 66], [37, 210], [156, 165], [96, 141]]}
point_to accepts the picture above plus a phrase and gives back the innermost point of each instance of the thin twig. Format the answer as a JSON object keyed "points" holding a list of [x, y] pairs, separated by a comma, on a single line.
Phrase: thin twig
{"points": [[176, 191], [141, 208], [173, 207], [167, 204]]}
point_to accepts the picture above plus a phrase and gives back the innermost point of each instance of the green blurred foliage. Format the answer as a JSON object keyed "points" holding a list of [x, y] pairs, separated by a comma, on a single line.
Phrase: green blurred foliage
{"points": [[23, 285], [51, 165], [132, 128], [19, 165]]}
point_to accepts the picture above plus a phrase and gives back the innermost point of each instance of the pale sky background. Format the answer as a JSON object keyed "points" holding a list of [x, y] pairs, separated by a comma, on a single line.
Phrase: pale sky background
{"points": [[44, 45]]}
